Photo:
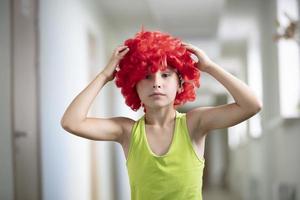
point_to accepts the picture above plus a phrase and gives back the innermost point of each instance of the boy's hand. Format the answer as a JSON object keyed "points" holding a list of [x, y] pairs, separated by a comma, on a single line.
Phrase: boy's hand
{"points": [[204, 62], [110, 69]]}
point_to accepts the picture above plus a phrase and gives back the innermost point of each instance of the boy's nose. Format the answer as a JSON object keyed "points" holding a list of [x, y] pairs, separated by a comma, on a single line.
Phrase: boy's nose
{"points": [[156, 81]]}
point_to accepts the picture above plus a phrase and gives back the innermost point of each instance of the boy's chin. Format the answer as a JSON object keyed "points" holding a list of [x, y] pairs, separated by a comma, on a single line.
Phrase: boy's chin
{"points": [[158, 105]]}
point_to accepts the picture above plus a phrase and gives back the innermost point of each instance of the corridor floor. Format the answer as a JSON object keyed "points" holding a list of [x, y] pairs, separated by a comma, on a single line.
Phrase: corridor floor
{"points": [[218, 194]]}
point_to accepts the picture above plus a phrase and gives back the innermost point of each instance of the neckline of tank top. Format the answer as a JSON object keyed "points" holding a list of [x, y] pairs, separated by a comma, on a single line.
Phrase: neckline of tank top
{"points": [[173, 137]]}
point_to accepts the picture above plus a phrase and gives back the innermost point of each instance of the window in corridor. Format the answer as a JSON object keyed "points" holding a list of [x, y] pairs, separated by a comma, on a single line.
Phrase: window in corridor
{"points": [[288, 55]]}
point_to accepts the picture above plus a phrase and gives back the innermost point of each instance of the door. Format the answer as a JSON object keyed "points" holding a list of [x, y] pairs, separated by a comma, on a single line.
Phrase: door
{"points": [[25, 100]]}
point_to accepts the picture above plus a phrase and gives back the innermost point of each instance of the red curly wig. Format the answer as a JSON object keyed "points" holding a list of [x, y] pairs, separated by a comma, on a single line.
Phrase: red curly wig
{"points": [[154, 50]]}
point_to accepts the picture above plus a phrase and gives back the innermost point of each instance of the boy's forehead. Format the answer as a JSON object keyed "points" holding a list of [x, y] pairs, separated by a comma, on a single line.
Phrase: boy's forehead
{"points": [[168, 69]]}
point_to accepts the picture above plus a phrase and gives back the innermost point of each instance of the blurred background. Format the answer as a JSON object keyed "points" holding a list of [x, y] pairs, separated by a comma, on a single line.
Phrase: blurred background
{"points": [[51, 50]]}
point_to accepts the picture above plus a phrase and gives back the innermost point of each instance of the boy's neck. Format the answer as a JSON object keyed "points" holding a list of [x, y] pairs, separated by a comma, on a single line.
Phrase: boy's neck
{"points": [[161, 118]]}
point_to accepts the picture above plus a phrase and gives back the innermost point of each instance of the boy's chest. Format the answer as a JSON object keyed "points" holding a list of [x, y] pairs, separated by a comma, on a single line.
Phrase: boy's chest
{"points": [[159, 140]]}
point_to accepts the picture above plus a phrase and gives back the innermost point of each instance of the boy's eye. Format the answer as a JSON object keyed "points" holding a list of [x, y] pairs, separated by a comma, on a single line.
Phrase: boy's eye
{"points": [[165, 75], [148, 76]]}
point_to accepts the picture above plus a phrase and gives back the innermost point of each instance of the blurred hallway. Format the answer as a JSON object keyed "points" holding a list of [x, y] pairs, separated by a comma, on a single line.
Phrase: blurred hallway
{"points": [[51, 50], [217, 194]]}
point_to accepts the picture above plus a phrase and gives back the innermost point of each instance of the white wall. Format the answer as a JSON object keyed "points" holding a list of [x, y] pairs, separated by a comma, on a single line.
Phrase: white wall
{"points": [[280, 141], [260, 164], [6, 154], [64, 72]]}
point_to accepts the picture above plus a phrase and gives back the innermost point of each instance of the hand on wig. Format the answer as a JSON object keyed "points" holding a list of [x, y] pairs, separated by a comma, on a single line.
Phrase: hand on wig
{"points": [[204, 62], [110, 69]]}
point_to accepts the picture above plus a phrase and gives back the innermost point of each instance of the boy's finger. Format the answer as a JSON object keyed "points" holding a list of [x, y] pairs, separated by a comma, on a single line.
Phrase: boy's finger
{"points": [[123, 53], [190, 50], [122, 47], [122, 50]]}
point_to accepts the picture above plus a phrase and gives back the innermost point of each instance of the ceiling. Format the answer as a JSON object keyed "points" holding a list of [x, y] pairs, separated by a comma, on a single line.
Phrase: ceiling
{"points": [[188, 19]]}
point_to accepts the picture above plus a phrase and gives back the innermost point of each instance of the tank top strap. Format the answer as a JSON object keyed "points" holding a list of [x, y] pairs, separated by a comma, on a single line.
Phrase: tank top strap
{"points": [[135, 137]]}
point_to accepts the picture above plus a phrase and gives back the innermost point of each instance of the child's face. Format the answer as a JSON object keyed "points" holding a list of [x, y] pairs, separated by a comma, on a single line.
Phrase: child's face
{"points": [[164, 82]]}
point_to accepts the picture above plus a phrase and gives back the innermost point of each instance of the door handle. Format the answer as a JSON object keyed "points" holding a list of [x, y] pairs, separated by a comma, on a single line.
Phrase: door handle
{"points": [[20, 134]]}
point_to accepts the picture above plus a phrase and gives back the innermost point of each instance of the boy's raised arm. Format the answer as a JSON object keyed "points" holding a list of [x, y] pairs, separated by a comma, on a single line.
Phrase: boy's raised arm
{"points": [[75, 118], [246, 103]]}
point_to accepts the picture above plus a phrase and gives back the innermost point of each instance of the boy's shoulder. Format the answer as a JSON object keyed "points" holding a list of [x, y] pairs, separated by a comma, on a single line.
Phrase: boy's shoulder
{"points": [[193, 118], [127, 123]]}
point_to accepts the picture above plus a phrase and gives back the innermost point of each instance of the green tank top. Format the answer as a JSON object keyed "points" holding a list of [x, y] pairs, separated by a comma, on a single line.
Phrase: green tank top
{"points": [[174, 175]]}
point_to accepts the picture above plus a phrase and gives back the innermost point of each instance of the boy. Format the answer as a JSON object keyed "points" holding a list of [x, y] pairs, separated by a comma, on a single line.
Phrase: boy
{"points": [[164, 148]]}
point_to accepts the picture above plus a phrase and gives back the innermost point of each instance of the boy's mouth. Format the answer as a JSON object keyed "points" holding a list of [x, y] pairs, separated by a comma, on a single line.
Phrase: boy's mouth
{"points": [[157, 94]]}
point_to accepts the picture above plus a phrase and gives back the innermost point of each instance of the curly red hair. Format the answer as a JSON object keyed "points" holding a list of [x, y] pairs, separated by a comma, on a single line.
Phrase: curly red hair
{"points": [[154, 50]]}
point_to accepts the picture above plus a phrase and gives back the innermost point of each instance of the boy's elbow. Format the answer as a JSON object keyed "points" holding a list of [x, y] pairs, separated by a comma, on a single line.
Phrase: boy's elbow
{"points": [[69, 126], [258, 107], [254, 108], [64, 125]]}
